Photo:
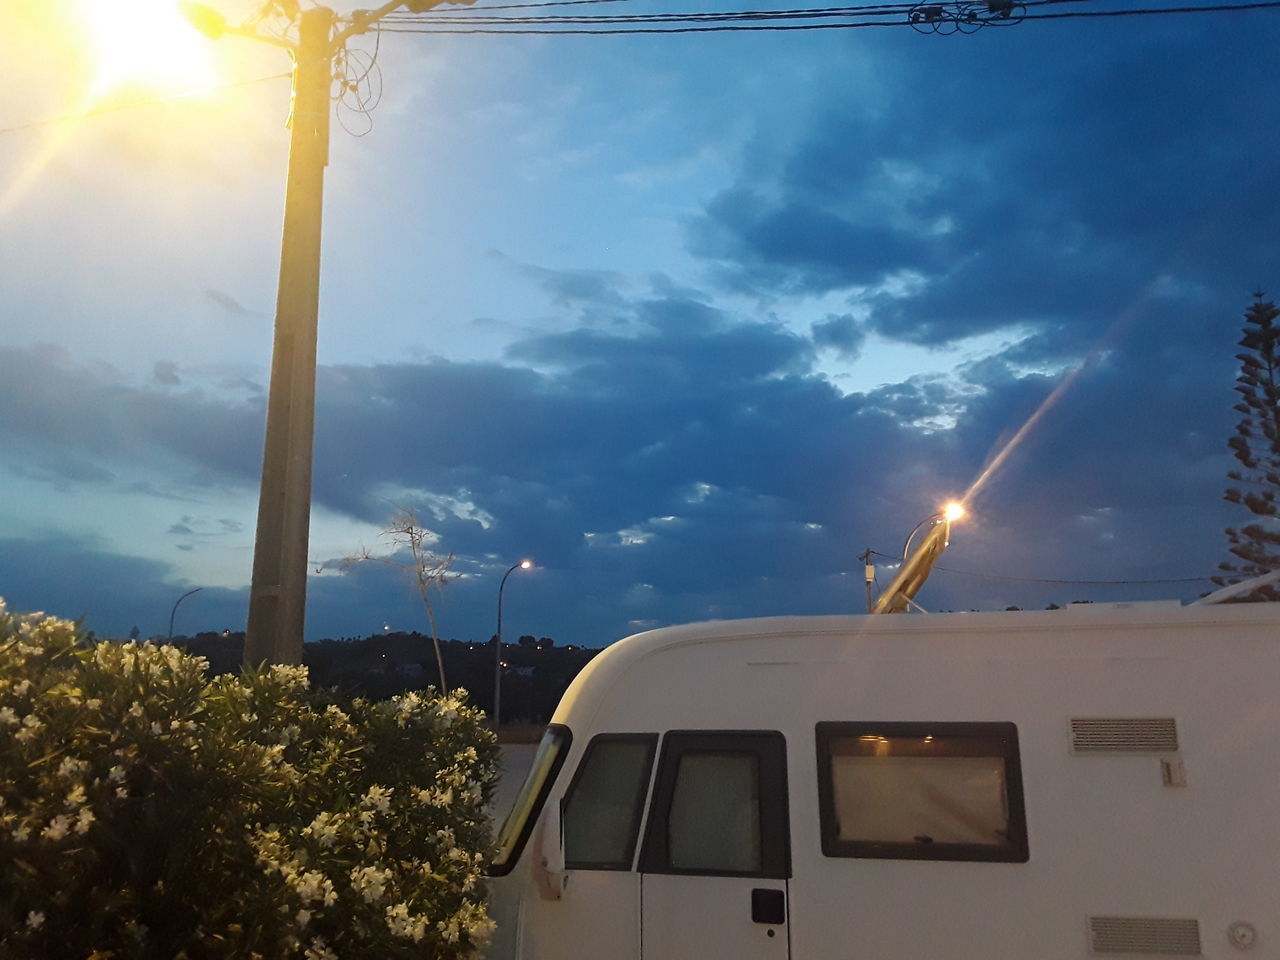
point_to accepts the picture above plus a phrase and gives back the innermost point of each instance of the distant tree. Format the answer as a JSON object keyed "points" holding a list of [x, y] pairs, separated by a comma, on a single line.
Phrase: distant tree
{"points": [[528, 640], [1256, 445], [425, 569], [135, 633]]}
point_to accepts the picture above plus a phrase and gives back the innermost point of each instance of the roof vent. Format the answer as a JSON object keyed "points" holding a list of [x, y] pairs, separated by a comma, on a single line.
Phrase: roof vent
{"points": [[1124, 734], [1144, 935]]}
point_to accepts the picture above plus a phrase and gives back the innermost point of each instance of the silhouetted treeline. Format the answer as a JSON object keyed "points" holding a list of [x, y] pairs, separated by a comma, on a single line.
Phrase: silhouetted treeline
{"points": [[535, 674]]}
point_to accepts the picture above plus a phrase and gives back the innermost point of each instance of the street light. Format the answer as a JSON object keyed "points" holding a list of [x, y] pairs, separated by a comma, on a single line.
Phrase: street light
{"points": [[917, 564], [497, 645], [174, 612], [278, 590]]}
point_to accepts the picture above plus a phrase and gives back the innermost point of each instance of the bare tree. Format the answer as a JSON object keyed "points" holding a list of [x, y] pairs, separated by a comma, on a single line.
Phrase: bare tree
{"points": [[426, 570]]}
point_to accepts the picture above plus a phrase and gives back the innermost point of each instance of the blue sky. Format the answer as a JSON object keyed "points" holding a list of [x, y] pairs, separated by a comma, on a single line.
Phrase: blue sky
{"points": [[691, 320]]}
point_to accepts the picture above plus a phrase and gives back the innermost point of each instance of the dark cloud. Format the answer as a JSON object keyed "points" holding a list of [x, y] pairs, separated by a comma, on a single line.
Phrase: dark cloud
{"points": [[842, 333], [1066, 177], [76, 578], [690, 465], [166, 372], [84, 419]]}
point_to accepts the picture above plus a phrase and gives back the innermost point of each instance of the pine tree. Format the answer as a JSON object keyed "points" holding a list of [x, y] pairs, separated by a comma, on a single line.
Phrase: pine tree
{"points": [[1256, 445]]}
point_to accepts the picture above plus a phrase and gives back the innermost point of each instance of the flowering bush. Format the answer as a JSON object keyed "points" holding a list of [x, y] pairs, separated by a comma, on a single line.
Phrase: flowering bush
{"points": [[146, 812]]}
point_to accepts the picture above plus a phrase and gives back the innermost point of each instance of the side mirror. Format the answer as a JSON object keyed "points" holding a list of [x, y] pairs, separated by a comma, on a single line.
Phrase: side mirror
{"points": [[548, 860]]}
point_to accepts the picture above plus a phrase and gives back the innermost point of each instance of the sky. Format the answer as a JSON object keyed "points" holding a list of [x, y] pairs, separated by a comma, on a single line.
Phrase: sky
{"points": [[690, 320]]}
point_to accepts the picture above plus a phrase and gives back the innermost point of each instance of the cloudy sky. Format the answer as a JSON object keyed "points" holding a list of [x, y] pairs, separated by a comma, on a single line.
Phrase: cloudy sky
{"points": [[692, 320]]}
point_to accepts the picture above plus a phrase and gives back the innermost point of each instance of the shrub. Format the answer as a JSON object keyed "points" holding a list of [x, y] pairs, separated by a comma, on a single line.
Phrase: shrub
{"points": [[146, 812]]}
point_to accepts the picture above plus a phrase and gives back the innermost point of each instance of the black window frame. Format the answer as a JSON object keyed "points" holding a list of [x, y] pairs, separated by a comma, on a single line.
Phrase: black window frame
{"points": [[638, 806], [1003, 737], [770, 749], [496, 869]]}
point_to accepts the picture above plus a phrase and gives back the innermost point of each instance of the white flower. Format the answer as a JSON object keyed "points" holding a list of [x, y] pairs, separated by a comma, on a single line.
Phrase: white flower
{"points": [[93, 704], [116, 774], [135, 710], [303, 917], [378, 798], [122, 792], [21, 833], [319, 950], [84, 819], [7, 717], [31, 727], [70, 768], [402, 923], [75, 796], [34, 920], [371, 883], [21, 688], [57, 828], [323, 828], [315, 887]]}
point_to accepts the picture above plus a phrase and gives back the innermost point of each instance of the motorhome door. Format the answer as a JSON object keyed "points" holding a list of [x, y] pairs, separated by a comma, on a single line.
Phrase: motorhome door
{"points": [[716, 855]]}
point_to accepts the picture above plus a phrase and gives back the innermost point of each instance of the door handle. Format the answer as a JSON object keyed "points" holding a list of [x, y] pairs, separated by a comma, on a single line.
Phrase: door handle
{"points": [[768, 906]]}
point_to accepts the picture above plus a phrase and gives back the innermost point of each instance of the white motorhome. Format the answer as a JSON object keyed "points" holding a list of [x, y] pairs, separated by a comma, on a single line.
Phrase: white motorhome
{"points": [[1100, 780]]}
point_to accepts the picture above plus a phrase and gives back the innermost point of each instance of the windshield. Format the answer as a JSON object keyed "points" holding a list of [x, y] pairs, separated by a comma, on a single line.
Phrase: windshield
{"points": [[528, 803]]}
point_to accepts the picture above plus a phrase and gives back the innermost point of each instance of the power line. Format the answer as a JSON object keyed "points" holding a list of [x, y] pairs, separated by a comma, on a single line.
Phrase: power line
{"points": [[519, 6], [133, 105], [863, 9], [1077, 583], [620, 25]]}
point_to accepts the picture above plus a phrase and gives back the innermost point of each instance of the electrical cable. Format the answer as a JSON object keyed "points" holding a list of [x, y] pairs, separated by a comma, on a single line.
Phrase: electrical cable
{"points": [[519, 6], [1080, 583], [471, 16], [546, 25], [158, 101]]}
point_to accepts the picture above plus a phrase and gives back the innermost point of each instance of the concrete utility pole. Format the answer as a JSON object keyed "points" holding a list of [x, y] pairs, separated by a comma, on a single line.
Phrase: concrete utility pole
{"points": [[278, 594]]}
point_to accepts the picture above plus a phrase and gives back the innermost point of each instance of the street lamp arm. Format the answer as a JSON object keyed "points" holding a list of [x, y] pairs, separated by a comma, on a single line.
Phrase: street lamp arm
{"points": [[261, 38], [214, 25], [174, 612]]}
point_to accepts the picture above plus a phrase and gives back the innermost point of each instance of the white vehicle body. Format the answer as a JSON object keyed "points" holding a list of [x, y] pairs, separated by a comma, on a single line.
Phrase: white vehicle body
{"points": [[1094, 781]]}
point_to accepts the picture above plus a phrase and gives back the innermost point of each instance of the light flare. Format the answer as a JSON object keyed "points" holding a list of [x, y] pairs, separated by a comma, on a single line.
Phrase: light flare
{"points": [[145, 44]]}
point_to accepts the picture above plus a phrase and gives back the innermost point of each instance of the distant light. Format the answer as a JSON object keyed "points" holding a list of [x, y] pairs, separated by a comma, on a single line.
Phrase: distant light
{"points": [[953, 511], [526, 564]]}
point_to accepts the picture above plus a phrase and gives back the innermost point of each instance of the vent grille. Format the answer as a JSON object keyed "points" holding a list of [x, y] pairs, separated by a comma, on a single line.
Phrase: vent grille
{"points": [[1143, 935], [1124, 734]]}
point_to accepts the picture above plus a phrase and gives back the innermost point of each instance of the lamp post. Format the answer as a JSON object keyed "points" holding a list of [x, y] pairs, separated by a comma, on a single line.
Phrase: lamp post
{"points": [[174, 612], [917, 564], [278, 590], [497, 645]]}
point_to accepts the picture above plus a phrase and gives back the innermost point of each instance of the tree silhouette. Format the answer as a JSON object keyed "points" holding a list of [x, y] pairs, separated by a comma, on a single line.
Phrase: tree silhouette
{"points": [[1256, 445]]}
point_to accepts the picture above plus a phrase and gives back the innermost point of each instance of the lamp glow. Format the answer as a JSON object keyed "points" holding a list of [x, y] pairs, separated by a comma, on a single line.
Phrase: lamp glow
{"points": [[953, 511], [147, 44]]}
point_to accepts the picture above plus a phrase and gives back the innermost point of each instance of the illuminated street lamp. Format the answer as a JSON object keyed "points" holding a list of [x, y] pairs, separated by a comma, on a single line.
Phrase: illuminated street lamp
{"points": [[917, 564], [497, 645]]}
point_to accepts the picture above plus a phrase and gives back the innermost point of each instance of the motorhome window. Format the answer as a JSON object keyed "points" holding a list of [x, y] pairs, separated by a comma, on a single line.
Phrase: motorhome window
{"points": [[719, 805], [921, 791], [605, 800], [714, 823], [515, 830]]}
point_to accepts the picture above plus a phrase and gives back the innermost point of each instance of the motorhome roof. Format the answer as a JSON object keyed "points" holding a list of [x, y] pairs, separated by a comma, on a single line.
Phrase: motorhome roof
{"points": [[1159, 629]]}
